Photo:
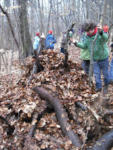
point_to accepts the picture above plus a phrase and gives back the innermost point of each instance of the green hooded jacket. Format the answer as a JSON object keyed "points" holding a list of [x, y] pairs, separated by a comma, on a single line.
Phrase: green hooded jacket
{"points": [[101, 51], [84, 54]]}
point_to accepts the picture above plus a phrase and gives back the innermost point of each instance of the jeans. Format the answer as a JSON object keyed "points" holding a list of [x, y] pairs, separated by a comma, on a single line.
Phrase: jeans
{"points": [[111, 71], [101, 65], [62, 50], [85, 66]]}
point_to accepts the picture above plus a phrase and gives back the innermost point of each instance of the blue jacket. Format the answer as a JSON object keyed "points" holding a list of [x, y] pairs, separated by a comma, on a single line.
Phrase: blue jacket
{"points": [[50, 41]]}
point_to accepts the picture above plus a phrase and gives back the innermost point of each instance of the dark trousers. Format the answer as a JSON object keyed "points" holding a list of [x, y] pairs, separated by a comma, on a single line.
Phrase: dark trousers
{"points": [[101, 65], [85, 66]]}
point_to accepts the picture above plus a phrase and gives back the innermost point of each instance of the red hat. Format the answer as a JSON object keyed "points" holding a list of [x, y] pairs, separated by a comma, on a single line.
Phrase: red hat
{"points": [[37, 34], [105, 28], [50, 31]]}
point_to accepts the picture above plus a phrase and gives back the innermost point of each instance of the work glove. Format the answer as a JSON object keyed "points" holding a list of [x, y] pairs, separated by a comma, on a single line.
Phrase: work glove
{"points": [[74, 41], [100, 31]]}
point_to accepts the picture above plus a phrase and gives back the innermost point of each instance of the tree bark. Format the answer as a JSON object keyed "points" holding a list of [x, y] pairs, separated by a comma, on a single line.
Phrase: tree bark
{"points": [[9, 21], [24, 29]]}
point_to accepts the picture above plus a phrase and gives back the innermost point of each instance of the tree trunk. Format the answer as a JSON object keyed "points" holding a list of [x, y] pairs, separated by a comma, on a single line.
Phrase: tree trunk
{"points": [[24, 29]]}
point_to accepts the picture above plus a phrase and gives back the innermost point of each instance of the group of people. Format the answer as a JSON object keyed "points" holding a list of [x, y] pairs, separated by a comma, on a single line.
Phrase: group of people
{"points": [[42, 42], [100, 55]]}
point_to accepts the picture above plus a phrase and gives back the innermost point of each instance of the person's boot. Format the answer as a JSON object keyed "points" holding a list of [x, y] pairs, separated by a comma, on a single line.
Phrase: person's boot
{"points": [[98, 90], [105, 90]]}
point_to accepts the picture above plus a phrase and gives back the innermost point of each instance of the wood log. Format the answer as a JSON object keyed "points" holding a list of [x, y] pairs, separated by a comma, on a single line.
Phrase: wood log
{"points": [[61, 115], [105, 142]]}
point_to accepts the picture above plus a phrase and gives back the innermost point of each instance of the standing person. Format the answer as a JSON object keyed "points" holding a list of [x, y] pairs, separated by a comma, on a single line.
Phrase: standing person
{"points": [[64, 45], [50, 40], [105, 28], [100, 56], [111, 66], [84, 54], [42, 42], [65, 41], [37, 67], [36, 44]]}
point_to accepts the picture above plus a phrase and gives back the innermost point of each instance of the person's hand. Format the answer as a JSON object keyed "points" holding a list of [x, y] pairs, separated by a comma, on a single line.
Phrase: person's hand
{"points": [[74, 42], [100, 30], [99, 27]]}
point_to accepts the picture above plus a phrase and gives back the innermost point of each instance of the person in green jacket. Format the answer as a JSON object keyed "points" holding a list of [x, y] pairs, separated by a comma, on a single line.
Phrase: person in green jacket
{"points": [[85, 55], [101, 54]]}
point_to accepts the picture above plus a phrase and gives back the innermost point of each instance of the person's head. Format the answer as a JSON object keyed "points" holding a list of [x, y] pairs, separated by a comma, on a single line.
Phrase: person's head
{"points": [[105, 28], [38, 34], [50, 32], [42, 36], [90, 28], [70, 34]]}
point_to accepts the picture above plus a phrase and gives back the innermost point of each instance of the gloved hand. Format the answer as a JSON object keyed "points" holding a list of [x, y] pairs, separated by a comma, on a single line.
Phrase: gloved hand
{"points": [[74, 42], [101, 32], [99, 27]]}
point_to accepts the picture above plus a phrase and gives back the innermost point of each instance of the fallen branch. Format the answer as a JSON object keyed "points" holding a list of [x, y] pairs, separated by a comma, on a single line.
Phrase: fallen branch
{"points": [[93, 112], [80, 105], [36, 119], [61, 115], [105, 142], [10, 128]]}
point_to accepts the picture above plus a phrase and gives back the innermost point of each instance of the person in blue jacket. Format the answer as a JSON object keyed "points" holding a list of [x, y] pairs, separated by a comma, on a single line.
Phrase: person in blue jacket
{"points": [[50, 40]]}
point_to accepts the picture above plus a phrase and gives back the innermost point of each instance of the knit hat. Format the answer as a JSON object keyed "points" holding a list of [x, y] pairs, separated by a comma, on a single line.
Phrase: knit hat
{"points": [[42, 36], [37, 34], [50, 31], [105, 28]]}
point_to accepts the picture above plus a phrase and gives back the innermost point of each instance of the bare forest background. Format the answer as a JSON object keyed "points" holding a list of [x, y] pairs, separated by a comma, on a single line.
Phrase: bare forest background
{"points": [[21, 19]]}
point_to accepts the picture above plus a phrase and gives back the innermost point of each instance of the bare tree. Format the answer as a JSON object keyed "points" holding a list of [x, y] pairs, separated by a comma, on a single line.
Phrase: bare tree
{"points": [[24, 28]]}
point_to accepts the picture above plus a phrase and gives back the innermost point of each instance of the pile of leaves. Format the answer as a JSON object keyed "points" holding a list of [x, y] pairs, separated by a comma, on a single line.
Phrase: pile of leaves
{"points": [[19, 103]]}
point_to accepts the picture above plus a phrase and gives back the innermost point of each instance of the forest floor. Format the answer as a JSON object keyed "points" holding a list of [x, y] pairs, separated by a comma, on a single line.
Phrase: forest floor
{"points": [[19, 103]]}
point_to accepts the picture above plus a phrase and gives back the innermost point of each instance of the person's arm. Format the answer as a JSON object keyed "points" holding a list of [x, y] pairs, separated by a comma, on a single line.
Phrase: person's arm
{"points": [[103, 35], [80, 45]]}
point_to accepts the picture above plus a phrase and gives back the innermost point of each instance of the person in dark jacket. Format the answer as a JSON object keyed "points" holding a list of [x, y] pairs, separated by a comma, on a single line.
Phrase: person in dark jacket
{"points": [[50, 40], [42, 42]]}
